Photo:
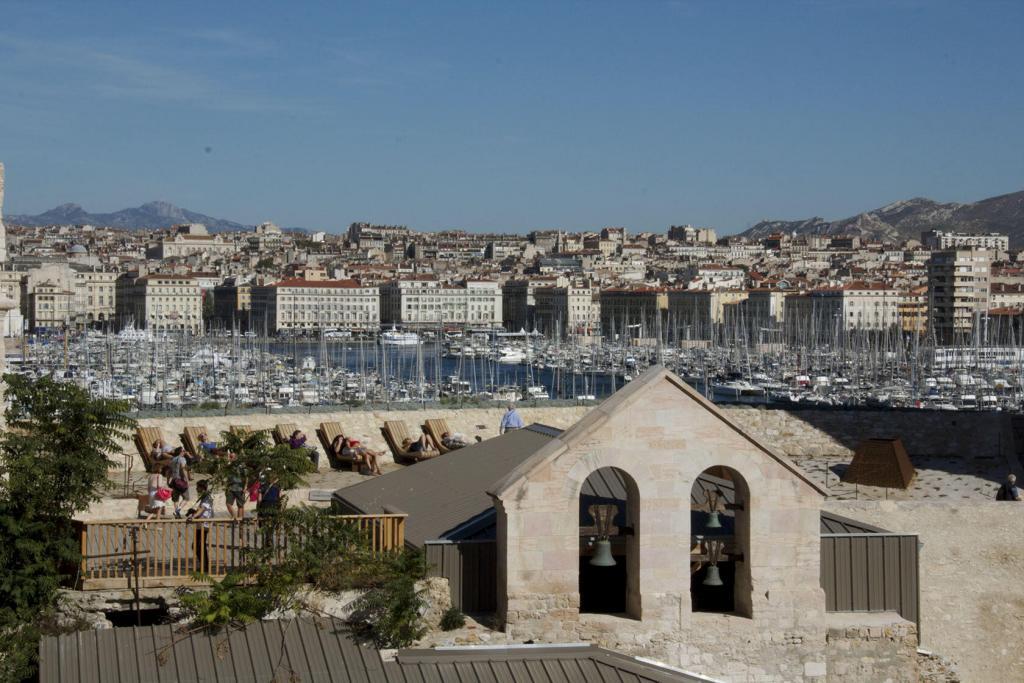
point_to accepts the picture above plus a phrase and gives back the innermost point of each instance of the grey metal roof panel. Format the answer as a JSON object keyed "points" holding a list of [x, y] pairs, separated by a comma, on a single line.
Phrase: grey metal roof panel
{"points": [[442, 493], [831, 523], [312, 650]]}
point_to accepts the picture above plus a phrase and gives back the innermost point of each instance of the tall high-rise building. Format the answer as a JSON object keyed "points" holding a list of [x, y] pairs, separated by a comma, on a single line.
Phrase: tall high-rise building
{"points": [[958, 292]]}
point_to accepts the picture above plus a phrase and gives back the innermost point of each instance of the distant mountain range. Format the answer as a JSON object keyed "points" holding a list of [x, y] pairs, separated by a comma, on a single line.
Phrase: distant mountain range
{"points": [[149, 215], [906, 219]]}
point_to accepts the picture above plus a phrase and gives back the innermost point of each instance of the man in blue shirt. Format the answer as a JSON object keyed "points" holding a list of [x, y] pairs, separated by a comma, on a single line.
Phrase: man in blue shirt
{"points": [[510, 420]]}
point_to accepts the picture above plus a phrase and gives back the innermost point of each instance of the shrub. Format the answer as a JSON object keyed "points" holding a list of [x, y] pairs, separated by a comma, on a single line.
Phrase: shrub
{"points": [[452, 619]]}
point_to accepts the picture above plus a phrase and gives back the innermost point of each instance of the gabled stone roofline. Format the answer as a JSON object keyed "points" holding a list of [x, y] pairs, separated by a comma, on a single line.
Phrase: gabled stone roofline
{"points": [[622, 399]]}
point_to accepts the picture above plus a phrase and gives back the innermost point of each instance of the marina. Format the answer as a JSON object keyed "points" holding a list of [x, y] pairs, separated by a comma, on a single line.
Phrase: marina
{"points": [[173, 372]]}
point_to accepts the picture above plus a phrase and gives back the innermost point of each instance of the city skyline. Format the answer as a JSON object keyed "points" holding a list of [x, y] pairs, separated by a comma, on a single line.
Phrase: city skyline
{"points": [[505, 119]]}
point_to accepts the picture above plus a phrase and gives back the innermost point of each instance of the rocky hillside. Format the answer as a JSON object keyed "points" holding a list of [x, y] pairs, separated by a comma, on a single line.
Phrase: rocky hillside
{"points": [[149, 215], [908, 218]]}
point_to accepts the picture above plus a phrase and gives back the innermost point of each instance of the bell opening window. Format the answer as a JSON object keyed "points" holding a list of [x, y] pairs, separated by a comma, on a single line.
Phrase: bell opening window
{"points": [[609, 554], [720, 543]]}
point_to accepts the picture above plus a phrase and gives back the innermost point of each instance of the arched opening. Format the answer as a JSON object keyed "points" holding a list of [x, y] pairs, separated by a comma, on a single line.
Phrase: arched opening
{"points": [[720, 542], [609, 553]]}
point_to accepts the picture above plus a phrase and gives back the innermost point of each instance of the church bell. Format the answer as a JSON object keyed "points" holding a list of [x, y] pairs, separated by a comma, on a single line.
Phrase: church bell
{"points": [[712, 577], [602, 554]]}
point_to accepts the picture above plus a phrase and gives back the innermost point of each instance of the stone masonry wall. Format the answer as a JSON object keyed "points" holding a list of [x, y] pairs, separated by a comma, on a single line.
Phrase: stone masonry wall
{"points": [[837, 432], [866, 652]]}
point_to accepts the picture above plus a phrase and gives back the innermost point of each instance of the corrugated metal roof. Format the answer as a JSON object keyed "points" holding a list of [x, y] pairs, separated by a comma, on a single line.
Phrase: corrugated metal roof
{"points": [[442, 494], [317, 651], [308, 650], [559, 664]]}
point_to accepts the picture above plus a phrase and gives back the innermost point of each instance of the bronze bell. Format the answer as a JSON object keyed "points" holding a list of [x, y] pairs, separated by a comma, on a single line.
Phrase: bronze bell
{"points": [[712, 577], [603, 554]]}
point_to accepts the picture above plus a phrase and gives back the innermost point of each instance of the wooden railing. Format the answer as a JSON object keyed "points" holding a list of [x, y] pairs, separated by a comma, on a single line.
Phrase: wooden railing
{"points": [[168, 552]]}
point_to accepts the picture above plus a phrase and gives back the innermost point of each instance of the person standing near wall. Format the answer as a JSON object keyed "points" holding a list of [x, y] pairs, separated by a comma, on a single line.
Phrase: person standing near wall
{"points": [[1009, 490], [510, 420]]}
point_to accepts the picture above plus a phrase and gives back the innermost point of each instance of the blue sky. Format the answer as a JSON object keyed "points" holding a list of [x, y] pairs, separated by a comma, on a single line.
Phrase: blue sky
{"points": [[513, 115]]}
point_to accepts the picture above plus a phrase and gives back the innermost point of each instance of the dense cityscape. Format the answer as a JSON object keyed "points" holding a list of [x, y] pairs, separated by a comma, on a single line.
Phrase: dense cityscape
{"points": [[533, 342], [386, 313]]}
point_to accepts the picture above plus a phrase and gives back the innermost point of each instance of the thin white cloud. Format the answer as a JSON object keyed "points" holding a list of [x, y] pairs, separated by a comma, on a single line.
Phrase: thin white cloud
{"points": [[121, 75]]}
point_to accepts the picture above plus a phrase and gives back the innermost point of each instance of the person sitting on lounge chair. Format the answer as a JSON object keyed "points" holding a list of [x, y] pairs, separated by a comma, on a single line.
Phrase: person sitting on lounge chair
{"points": [[355, 451], [161, 452], [298, 440], [453, 441], [420, 445]]}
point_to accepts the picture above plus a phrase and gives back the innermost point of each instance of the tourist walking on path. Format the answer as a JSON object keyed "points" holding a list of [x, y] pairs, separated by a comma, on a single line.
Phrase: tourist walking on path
{"points": [[510, 420], [179, 481], [1009, 490]]}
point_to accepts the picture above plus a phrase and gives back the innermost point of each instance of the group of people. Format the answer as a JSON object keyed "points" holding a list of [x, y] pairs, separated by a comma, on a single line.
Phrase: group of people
{"points": [[170, 482]]}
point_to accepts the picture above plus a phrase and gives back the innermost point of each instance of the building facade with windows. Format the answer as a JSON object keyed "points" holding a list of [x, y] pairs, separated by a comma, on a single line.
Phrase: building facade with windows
{"points": [[159, 302], [297, 304], [958, 292], [425, 302]]}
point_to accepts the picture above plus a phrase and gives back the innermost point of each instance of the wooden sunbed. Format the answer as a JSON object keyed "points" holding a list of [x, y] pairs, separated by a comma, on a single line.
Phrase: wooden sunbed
{"points": [[240, 430], [283, 433], [190, 440], [144, 438], [435, 429], [327, 432], [395, 433]]}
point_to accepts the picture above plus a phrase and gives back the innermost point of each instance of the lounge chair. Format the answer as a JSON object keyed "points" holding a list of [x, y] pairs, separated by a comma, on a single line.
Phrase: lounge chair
{"points": [[240, 430], [283, 433], [144, 438], [327, 432], [435, 429], [395, 433], [190, 440]]}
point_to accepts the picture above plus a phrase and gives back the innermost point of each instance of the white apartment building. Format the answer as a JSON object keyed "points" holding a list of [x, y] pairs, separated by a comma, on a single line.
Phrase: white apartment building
{"points": [[160, 302], [863, 306], [943, 240], [424, 301], [299, 304], [958, 291]]}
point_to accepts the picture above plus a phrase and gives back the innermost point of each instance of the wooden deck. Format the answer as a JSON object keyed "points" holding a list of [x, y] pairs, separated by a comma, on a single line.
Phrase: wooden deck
{"points": [[166, 549]]}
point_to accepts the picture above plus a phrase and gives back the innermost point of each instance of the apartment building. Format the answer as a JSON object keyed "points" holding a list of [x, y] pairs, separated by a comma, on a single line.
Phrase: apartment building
{"points": [[566, 311], [232, 305], [857, 306], [913, 310], [958, 292], [632, 310], [697, 314], [297, 304], [518, 303], [941, 240], [424, 302], [49, 306], [160, 302]]}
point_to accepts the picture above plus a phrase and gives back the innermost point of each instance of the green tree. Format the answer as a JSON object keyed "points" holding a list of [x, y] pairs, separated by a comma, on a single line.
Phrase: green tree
{"points": [[53, 465], [254, 456], [323, 551]]}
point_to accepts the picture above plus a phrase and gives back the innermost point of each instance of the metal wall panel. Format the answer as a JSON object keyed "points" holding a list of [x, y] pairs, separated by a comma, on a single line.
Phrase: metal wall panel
{"points": [[471, 568], [870, 573]]}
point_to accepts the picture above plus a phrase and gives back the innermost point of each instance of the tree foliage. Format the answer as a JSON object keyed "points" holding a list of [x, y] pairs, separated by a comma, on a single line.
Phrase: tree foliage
{"points": [[254, 456], [311, 548], [53, 464]]}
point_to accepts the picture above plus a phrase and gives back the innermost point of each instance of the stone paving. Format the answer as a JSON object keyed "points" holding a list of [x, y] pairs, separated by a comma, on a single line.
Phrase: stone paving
{"points": [[938, 478]]}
